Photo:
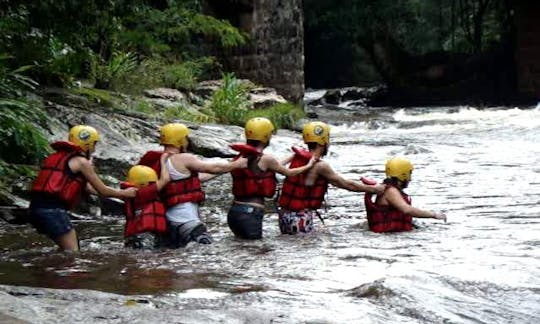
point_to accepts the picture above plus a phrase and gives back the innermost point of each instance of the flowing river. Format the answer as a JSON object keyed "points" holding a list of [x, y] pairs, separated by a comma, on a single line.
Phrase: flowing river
{"points": [[479, 165]]}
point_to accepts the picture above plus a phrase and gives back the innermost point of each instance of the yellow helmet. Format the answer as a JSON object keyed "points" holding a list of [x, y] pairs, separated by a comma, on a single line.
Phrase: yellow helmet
{"points": [[316, 132], [174, 134], [141, 175], [400, 168], [259, 129], [84, 136]]}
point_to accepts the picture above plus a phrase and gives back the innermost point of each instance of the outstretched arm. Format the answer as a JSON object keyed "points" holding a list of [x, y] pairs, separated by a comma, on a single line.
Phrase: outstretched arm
{"points": [[193, 163], [278, 167], [203, 177], [80, 164], [395, 200], [337, 180]]}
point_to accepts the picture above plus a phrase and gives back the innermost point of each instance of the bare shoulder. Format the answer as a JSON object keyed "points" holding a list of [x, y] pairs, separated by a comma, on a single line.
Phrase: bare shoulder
{"points": [[391, 192], [182, 157], [268, 158], [77, 163], [322, 167]]}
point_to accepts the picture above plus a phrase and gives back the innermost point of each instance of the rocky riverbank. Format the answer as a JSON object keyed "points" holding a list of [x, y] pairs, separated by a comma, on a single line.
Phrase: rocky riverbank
{"points": [[128, 126]]}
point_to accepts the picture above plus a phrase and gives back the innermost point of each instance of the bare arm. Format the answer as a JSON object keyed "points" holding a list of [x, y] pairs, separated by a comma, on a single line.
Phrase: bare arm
{"points": [[393, 197], [203, 177], [91, 189], [287, 160], [164, 176], [80, 164], [278, 167], [335, 179], [193, 163]]}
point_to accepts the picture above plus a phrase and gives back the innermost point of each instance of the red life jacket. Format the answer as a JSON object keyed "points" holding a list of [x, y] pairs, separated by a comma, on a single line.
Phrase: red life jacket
{"points": [[295, 195], [176, 191], [151, 159], [386, 218], [248, 183], [184, 190], [56, 180], [145, 212], [245, 149]]}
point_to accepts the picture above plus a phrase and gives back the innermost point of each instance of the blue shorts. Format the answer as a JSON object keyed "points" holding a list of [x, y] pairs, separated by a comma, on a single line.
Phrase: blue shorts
{"points": [[246, 221], [53, 222]]}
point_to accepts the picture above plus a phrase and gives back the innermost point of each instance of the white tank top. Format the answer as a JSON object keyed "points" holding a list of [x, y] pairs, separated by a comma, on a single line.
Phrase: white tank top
{"points": [[183, 212], [175, 174]]}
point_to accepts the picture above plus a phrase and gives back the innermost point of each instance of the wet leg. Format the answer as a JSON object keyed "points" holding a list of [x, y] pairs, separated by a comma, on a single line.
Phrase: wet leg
{"points": [[68, 241]]}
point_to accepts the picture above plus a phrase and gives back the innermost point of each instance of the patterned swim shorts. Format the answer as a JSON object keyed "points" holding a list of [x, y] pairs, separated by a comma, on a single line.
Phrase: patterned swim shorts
{"points": [[291, 222]]}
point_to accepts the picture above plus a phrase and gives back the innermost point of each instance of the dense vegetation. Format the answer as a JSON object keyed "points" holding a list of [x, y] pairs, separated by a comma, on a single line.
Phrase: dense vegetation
{"points": [[108, 46], [107, 40], [340, 35]]}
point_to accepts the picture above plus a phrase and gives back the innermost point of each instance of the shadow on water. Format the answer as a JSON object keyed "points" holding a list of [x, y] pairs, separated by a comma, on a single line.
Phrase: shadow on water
{"points": [[114, 273]]}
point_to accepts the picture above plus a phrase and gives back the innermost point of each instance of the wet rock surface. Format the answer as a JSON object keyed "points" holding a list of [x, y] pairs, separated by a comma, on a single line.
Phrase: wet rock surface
{"points": [[41, 305]]}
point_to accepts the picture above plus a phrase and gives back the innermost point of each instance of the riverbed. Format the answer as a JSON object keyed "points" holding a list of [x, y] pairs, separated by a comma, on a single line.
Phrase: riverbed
{"points": [[479, 165]]}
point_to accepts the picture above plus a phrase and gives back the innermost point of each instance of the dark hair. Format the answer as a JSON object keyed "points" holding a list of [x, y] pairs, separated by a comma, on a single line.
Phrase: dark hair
{"points": [[313, 145], [255, 143], [396, 182]]}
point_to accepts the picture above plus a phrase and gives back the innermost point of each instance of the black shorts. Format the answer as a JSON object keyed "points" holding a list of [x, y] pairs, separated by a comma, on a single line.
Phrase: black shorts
{"points": [[245, 221], [53, 222]]}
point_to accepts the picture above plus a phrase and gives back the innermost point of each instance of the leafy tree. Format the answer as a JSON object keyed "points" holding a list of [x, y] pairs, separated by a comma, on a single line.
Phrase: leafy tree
{"points": [[73, 37], [405, 27]]}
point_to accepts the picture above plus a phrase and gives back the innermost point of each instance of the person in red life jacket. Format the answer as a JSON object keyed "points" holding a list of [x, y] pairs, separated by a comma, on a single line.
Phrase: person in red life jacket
{"points": [[146, 223], [64, 176], [257, 181], [303, 194], [183, 193], [392, 210]]}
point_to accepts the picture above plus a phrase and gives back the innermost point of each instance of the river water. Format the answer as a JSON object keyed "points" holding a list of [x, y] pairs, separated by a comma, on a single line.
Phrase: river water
{"points": [[479, 165]]}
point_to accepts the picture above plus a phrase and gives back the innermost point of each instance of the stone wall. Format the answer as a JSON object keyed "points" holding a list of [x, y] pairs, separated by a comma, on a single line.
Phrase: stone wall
{"points": [[527, 22], [274, 56]]}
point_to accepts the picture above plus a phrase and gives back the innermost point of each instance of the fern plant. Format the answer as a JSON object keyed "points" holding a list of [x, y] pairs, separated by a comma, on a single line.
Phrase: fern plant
{"points": [[20, 140], [107, 74]]}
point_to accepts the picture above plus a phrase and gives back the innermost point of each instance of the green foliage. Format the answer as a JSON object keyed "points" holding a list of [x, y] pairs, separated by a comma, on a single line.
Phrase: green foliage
{"points": [[228, 35], [230, 102], [338, 31], [185, 76], [106, 40], [20, 140], [99, 96], [185, 113], [420, 26], [230, 105], [282, 115], [144, 107], [8, 172], [107, 75]]}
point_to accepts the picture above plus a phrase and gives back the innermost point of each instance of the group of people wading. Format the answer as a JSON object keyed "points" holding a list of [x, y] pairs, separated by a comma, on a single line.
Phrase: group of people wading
{"points": [[163, 191]]}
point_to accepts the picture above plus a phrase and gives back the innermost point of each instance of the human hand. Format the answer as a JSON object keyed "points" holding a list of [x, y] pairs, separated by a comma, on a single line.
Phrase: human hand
{"points": [[439, 215], [164, 156], [378, 188], [130, 192], [312, 161]]}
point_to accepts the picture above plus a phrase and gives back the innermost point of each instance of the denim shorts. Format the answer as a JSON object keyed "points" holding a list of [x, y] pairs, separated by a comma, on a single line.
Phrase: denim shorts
{"points": [[246, 221], [53, 222]]}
